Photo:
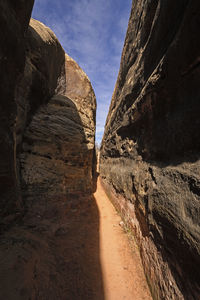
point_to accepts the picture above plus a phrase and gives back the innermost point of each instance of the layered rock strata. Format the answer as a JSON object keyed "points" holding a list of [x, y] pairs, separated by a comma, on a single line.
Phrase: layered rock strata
{"points": [[58, 142], [49, 146], [47, 160], [151, 146]]}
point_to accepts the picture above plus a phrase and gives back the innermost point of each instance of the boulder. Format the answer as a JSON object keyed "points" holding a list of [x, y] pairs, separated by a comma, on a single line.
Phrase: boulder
{"points": [[151, 146]]}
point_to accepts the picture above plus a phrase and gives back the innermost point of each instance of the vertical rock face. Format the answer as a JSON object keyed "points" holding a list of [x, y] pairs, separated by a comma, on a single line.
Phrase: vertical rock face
{"points": [[47, 124], [58, 142], [47, 116], [14, 20], [151, 146]]}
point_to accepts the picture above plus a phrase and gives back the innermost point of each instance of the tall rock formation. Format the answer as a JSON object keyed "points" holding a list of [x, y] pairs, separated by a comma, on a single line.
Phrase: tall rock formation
{"points": [[58, 142], [47, 125], [14, 20], [47, 116], [151, 146]]}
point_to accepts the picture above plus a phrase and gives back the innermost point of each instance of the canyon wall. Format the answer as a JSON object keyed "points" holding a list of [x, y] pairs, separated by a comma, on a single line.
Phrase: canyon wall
{"points": [[150, 152], [48, 111], [56, 156], [47, 162], [14, 20]]}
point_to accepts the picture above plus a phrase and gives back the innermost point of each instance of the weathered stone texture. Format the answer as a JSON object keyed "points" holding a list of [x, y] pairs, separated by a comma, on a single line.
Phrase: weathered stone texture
{"points": [[47, 126], [14, 20], [58, 143], [47, 116], [151, 145]]}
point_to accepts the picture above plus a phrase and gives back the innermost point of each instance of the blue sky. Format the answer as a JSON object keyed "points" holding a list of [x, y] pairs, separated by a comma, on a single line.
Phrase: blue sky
{"points": [[92, 32]]}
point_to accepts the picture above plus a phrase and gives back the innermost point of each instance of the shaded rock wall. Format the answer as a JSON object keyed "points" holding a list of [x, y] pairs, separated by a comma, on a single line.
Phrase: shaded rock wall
{"points": [[47, 115], [14, 21], [150, 150], [48, 248]]}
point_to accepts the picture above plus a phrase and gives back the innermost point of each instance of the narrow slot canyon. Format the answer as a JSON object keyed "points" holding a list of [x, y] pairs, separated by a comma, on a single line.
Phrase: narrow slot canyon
{"points": [[120, 220]]}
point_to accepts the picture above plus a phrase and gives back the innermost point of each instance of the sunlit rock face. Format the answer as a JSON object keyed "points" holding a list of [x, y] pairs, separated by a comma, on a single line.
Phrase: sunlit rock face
{"points": [[151, 146], [47, 119], [58, 143], [47, 124]]}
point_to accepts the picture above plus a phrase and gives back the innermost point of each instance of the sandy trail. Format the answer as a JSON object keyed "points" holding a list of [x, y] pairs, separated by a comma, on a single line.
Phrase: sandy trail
{"points": [[122, 273], [70, 250]]}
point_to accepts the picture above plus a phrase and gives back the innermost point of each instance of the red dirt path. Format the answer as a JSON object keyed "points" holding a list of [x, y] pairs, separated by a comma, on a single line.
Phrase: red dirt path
{"points": [[122, 272]]}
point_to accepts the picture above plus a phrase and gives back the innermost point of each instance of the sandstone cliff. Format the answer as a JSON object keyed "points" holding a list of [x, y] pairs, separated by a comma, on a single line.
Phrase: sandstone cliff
{"points": [[150, 151], [47, 160], [58, 142], [48, 133]]}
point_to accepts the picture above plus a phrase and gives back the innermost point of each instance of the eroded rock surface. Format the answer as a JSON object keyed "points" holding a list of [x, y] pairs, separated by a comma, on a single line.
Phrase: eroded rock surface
{"points": [[150, 150], [58, 143], [14, 20], [47, 165]]}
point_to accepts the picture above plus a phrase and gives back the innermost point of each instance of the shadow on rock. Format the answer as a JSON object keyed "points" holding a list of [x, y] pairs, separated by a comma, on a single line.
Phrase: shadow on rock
{"points": [[54, 252]]}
